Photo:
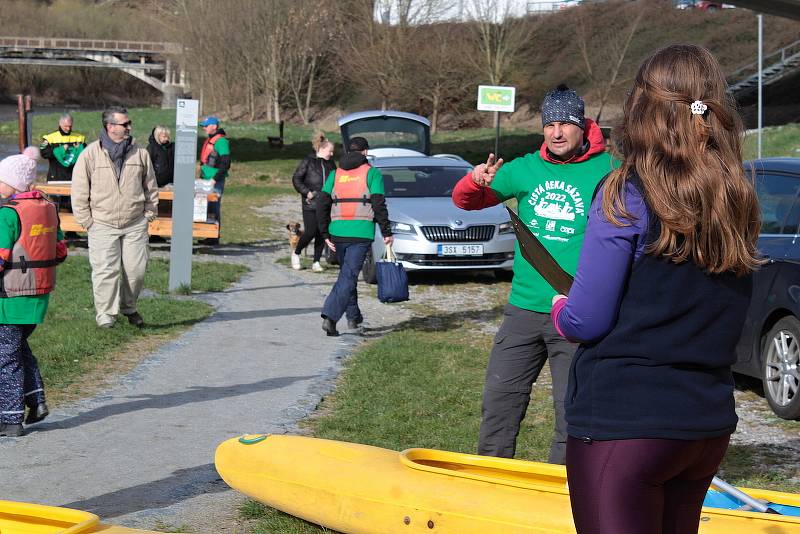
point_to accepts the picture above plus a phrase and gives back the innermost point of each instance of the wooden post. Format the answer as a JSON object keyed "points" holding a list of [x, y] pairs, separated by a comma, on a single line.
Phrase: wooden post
{"points": [[23, 126]]}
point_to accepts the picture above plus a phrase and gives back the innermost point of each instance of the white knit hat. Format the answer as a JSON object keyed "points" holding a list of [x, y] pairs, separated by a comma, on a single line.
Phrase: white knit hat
{"points": [[20, 171]]}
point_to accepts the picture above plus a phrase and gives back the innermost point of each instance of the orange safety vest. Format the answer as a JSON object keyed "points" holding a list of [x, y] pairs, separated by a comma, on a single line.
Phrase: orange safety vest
{"points": [[351, 196], [208, 149], [31, 269]]}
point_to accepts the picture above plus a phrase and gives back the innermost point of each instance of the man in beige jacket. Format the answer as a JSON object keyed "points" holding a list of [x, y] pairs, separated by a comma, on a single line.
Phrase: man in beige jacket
{"points": [[115, 196]]}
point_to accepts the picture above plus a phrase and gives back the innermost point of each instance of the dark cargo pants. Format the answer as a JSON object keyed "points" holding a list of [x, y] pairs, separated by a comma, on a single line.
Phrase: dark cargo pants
{"points": [[525, 340], [20, 381]]}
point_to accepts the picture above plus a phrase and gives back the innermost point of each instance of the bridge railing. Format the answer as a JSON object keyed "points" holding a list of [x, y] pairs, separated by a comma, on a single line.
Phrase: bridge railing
{"points": [[777, 56], [95, 45]]}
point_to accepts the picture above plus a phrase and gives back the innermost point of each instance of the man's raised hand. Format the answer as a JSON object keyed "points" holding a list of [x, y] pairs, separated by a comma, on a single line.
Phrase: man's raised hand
{"points": [[483, 174]]}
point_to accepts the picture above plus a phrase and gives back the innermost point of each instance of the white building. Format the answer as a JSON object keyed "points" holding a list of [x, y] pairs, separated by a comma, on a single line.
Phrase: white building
{"points": [[421, 11]]}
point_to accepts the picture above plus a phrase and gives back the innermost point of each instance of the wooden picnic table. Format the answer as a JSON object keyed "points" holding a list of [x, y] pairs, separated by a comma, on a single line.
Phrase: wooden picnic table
{"points": [[161, 226]]}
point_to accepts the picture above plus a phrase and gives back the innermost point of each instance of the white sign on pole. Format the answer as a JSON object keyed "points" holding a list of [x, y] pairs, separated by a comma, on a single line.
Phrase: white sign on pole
{"points": [[496, 98], [180, 266]]}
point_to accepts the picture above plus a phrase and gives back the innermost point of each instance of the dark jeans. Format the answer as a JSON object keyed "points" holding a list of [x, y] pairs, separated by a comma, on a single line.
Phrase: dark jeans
{"points": [[640, 486], [20, 381], [525, 340], [216, 207], [310, 231], [343, 298]]}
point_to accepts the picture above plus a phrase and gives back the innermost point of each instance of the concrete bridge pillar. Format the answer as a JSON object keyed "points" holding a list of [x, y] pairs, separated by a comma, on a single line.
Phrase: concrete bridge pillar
{"points": [[170, 95]]}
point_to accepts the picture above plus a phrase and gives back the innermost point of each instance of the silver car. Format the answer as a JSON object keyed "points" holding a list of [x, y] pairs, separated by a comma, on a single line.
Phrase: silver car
{"points": [[430, 232]]}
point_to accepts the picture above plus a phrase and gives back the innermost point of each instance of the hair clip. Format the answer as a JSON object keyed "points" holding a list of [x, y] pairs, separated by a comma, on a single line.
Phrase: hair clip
{"points": [[698, 108]]}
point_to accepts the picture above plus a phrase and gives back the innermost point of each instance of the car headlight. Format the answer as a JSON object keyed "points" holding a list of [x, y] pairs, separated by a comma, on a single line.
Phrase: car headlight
{"points": [[402, 228], [506, 228]]}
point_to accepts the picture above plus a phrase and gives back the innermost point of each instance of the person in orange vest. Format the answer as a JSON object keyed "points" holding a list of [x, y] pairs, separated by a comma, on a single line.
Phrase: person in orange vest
{"points": [[31, 245], [215, 161], [350, 203]]}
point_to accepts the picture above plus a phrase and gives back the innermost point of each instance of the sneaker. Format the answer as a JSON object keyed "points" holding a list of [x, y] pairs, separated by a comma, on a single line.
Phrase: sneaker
{"points": [[330, 327], [135, 319], [37, 413], [352, 324], [109, 324], [316, 267], [295, 261], [11, 430]]}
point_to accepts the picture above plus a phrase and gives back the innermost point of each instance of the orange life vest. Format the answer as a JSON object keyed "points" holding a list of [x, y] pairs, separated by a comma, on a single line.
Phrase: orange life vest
{"points": [[31, 269], [351, 196], [208, 149]]}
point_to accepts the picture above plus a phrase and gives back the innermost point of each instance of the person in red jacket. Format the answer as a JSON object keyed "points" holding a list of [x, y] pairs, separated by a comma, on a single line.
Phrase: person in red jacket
{"points": [[31, 245], [553, 188]]}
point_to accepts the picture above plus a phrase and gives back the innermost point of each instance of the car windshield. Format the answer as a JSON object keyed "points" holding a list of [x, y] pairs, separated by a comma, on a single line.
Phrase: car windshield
{"points": [[421, 181], [389, 132]]}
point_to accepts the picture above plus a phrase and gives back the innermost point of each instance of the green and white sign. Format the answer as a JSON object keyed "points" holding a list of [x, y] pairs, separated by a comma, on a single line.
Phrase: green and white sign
{"points": [[496, 98]]}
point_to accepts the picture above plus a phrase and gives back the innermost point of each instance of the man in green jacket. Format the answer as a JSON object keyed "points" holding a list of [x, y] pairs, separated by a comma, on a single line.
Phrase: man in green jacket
{"points": [[215, 161], [553, 188], [62, 148], [350, 203]]}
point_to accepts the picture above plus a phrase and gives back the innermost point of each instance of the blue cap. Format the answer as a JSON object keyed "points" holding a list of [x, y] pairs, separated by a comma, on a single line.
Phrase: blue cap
{"points": [[209, 121]]}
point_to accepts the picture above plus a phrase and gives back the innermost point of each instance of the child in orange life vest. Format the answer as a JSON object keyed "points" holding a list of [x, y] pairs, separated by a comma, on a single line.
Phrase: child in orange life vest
{"points": [[31, 245]]}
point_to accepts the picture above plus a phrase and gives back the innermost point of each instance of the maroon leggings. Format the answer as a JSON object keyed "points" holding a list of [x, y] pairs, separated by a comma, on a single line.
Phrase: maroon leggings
{"points": [[640, 486]]}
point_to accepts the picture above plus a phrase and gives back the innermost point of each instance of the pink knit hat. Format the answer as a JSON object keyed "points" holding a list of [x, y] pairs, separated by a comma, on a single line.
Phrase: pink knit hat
{"points": [[20, 171]]}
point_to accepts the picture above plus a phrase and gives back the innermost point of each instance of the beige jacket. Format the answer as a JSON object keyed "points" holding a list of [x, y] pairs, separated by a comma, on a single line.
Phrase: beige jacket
{"points": [[98, 195]]}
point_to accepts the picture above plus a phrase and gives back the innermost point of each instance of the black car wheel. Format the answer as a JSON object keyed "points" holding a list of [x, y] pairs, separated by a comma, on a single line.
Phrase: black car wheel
{"points": [[368, 269], [781, 368]]}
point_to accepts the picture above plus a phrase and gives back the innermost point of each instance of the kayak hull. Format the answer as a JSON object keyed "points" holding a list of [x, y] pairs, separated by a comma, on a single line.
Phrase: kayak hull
{"points": [[25, 518], [358, 489]]}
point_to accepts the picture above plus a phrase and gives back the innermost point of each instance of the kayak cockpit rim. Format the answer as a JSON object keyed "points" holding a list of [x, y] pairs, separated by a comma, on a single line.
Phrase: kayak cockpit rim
{"points": [[504, 471], [74, 521]]}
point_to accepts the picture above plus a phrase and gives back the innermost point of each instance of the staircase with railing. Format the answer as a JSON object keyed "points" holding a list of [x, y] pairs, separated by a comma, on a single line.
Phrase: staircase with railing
{"points": [[744, 81]]}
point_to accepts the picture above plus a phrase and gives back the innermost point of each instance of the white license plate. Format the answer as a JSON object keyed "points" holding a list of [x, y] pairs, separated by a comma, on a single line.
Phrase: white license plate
{"points": [[459, 250]]}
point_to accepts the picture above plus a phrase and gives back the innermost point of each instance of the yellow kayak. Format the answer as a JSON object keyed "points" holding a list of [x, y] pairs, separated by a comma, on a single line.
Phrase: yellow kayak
{"points": [[361, 489], [24, 518]]}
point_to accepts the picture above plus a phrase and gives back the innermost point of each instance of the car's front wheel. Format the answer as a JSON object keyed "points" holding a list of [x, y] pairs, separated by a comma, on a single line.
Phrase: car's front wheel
{"points": [[781, 368], [368, 270]]}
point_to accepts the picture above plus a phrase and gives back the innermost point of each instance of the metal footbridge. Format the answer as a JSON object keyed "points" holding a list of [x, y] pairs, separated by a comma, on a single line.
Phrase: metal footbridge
{"points": [[157, 64], [780, 63]]}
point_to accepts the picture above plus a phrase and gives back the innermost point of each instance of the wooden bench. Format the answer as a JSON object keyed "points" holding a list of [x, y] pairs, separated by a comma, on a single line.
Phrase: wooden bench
{"points": [[161, 226]]}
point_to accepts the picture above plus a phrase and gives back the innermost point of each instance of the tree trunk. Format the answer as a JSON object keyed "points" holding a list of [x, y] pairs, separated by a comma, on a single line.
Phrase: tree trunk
{"points": [[310, 89]]}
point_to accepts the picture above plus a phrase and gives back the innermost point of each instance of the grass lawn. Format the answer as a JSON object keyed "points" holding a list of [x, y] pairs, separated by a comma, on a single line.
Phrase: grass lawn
{"points": [[417, 386], [70, 359]]}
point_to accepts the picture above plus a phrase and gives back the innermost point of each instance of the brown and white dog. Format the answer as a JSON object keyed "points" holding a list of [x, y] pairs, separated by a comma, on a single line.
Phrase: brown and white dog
{"points": [[295, 232]]}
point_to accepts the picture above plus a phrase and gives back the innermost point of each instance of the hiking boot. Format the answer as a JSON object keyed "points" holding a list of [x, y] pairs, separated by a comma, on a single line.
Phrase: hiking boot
{"points": [[295, 261], [330, 327], [37, 413], [316, 267], [352, 324], [135, 319], [11, 430]]}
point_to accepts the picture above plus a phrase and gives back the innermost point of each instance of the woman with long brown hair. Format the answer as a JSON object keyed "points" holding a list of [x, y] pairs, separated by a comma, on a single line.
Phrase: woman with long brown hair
{"points": [[658, 303]]}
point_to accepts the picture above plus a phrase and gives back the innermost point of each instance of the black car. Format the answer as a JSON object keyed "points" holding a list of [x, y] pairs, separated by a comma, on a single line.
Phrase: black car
{"points": [[769, 348]]}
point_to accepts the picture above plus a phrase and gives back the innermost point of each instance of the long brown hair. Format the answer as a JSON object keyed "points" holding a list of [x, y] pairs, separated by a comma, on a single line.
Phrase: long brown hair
{"points": [[690, 165]]}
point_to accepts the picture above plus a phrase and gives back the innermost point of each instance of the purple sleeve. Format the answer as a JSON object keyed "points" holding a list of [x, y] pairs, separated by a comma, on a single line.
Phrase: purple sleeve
{"points": [[606, 258]]}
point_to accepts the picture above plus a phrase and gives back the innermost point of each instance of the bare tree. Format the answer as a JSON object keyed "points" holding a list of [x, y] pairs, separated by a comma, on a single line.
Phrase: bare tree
{"points": [[442, 75], [604, 63], [499, 38]]}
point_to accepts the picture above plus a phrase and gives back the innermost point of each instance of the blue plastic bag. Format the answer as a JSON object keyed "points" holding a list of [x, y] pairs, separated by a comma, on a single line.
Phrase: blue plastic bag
{"points": [[392, 278]]}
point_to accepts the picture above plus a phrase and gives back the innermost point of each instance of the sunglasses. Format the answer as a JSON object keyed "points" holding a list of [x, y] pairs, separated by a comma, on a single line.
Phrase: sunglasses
{"points": [[127, 124]]}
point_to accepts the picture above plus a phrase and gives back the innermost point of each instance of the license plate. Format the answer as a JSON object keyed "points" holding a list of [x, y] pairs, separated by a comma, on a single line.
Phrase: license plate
{"points": [[459, 250]]}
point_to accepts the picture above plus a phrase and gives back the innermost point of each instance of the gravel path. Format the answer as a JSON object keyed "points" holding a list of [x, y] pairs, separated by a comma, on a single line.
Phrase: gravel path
{"points": [[141, 453]]}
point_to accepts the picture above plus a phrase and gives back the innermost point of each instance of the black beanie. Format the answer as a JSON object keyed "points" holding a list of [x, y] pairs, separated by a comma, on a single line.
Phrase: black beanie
{"points": [[357, 144], [563, 105]]}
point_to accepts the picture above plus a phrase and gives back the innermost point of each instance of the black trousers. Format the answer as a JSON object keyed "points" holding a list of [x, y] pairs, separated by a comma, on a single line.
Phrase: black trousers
{"points": [[310, 231]]}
